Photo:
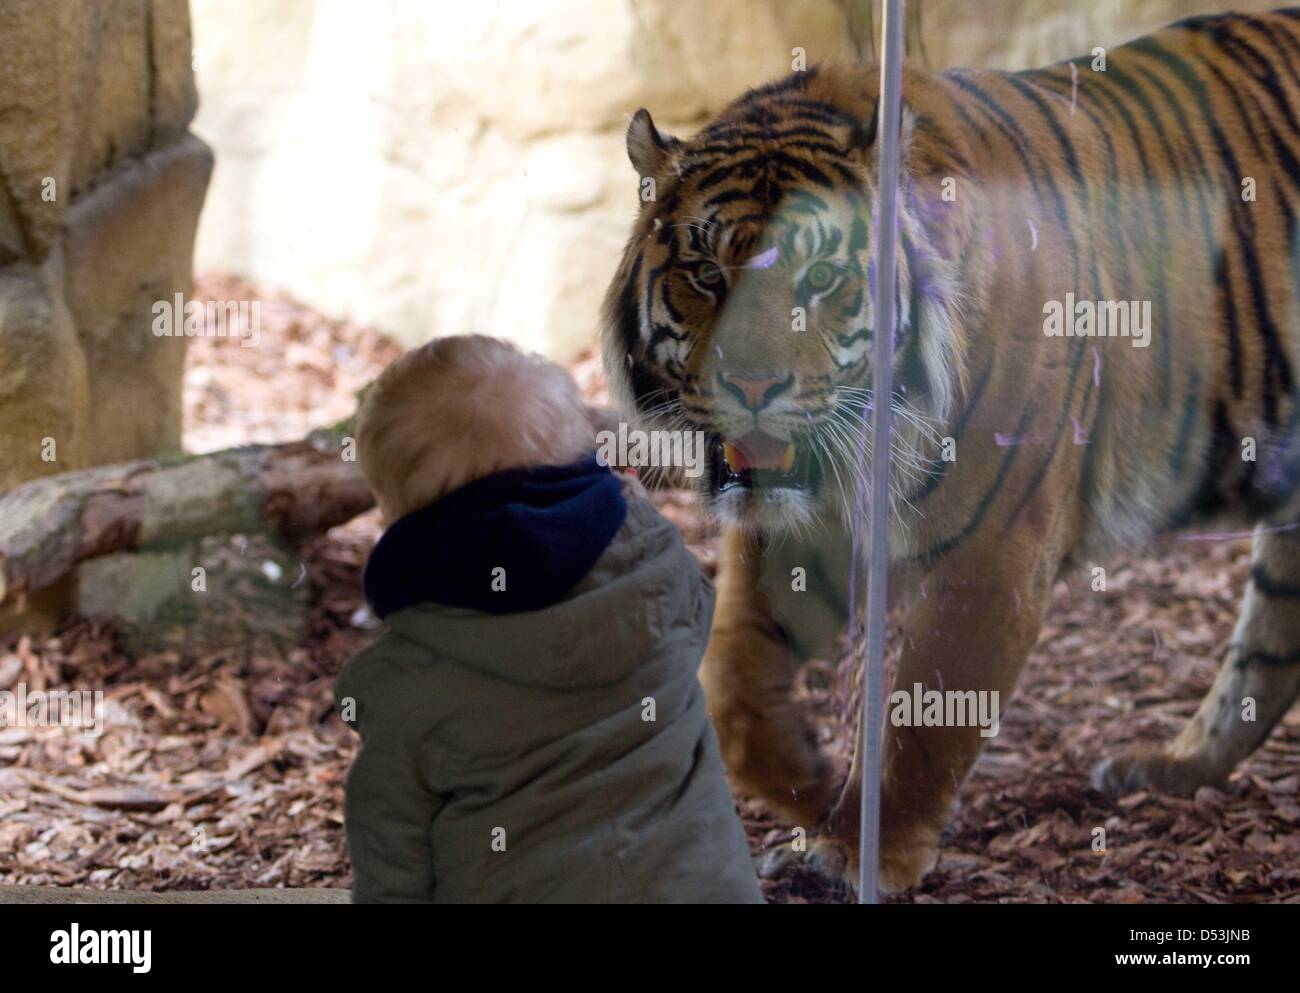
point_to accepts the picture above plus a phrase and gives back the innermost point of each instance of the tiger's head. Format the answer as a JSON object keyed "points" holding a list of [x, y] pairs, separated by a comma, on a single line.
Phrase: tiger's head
{"points": [[743, 304]]}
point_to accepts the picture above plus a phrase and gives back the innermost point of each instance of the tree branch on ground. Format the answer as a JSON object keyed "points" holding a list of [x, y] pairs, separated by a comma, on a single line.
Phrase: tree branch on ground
{"points": [[49, 526]]}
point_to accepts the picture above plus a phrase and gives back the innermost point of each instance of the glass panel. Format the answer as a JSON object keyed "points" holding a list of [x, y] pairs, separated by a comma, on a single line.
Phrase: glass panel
{"points": [[1088, 479]]}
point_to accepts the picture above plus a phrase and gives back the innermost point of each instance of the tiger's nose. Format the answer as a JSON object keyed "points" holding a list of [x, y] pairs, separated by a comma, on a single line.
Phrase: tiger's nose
{"points": [[755, 390]]}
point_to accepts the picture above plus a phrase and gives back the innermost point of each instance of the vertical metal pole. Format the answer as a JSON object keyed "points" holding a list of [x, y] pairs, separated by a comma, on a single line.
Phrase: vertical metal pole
{"points": [[882, 392]]}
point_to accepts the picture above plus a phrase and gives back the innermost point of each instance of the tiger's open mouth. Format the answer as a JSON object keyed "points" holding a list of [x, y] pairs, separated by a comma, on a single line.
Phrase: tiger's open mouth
{"points": [[759, 461]]}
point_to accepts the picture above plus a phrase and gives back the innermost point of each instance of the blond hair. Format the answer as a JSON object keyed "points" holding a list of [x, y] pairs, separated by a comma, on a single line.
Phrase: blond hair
{"points": [[458, 409]]}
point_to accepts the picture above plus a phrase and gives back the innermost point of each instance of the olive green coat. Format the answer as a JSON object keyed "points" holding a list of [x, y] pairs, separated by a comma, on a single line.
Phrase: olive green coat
{"points": [[558, 755]]}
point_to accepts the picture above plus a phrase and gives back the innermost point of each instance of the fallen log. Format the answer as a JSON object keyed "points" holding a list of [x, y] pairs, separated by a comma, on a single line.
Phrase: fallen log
{"points": [[49, 526]]}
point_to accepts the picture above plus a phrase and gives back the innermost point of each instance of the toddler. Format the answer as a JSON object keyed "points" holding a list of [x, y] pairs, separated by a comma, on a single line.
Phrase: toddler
{"points": [[532, 724]]}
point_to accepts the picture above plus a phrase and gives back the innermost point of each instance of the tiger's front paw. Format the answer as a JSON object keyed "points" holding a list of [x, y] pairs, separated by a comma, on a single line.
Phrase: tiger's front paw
{"points": [[901, 866], [825, 859], [834, 862], [904, 862]]}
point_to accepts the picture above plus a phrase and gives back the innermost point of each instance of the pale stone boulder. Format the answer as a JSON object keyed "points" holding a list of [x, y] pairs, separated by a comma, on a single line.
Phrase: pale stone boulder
{"points": [[105, 67], [44, 390], [37, 124], [100, 191], [101, 185], [127, 244], [174, 95], [84, 84], [12, 242]]}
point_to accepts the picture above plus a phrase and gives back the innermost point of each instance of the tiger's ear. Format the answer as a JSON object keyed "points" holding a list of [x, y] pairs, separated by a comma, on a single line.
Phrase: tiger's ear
{"points": [[863, 135], [646, 147]]}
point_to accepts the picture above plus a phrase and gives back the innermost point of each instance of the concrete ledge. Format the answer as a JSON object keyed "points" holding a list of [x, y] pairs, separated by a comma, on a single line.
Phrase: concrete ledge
{"points": [[57, 894]]}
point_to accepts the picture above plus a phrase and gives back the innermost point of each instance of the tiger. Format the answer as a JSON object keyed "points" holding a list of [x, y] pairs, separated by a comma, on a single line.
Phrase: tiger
{"points": [[1096, 336]]}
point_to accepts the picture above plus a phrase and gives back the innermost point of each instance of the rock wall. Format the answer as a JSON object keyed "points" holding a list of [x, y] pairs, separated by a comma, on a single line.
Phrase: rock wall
{"points": [[437, 166], [100, 189]]}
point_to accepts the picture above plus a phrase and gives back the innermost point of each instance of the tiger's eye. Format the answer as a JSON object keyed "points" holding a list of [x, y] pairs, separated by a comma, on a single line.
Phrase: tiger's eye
{"points": [[821, 276], [709, 273]]}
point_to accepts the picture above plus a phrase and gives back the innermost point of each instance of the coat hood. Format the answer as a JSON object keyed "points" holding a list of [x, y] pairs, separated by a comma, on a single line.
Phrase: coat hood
{"points": [[515, 540], [645, 587]]}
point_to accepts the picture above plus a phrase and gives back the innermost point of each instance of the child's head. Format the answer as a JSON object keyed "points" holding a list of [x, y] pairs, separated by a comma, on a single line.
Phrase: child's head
{"points": [[461, 408]]}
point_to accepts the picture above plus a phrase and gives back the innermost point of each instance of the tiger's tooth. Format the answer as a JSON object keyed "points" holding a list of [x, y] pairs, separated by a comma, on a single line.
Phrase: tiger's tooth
{"points": [[787, 460]]}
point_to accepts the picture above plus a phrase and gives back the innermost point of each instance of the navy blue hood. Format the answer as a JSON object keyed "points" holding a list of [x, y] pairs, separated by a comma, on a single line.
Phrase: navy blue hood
{"points": [[545, 526]]}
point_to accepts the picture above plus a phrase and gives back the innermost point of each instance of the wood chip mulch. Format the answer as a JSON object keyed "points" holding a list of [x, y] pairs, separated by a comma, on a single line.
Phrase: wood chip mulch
{"points": [[222, 761]]}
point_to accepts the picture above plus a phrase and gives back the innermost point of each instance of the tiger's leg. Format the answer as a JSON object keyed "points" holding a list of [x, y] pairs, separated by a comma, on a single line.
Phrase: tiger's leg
{"points": [[971, 631], [1257, 683], [747, 675]]}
